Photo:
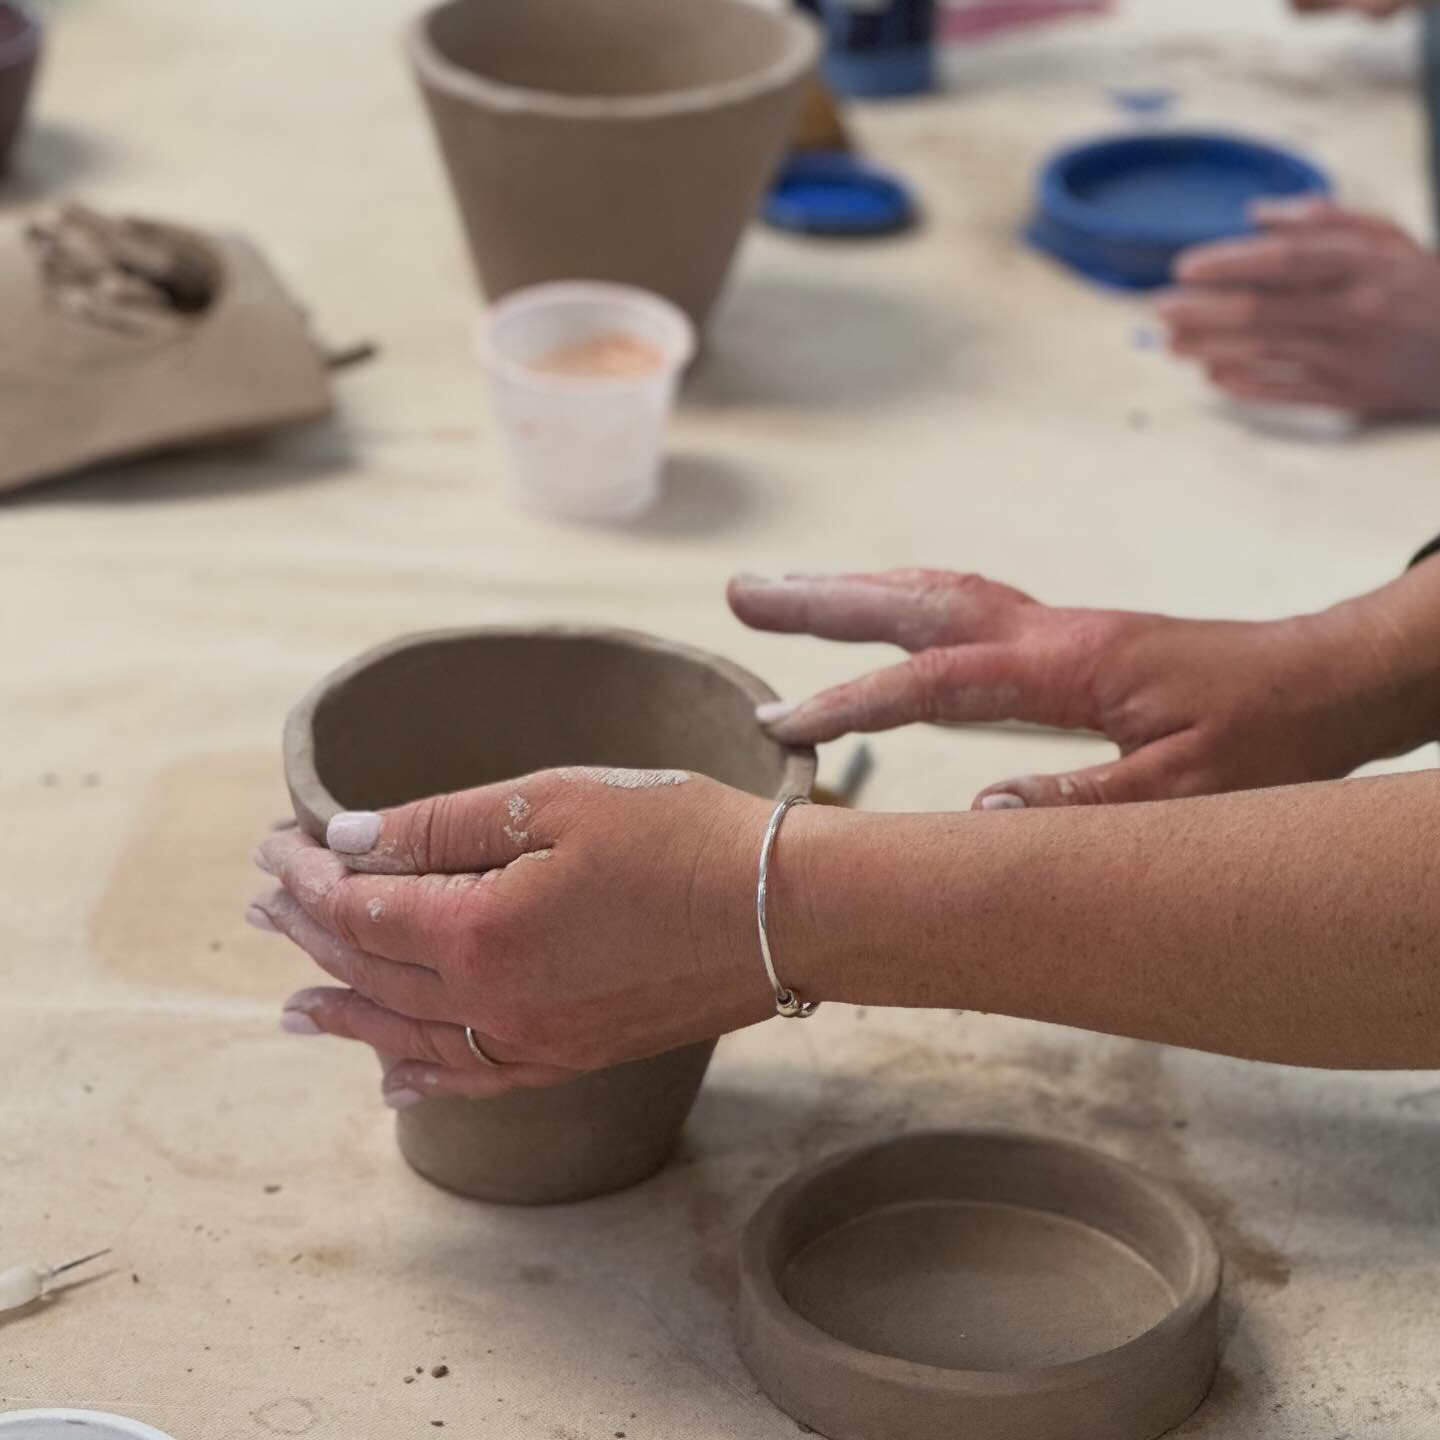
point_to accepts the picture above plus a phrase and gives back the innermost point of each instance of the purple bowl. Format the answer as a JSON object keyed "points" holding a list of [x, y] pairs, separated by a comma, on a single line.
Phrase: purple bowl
{"points": [[19, 56]]}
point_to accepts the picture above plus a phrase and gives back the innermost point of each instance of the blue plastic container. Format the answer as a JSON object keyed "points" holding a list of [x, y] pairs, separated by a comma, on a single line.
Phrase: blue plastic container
{"points": [[877, 48], [1120, 210]]}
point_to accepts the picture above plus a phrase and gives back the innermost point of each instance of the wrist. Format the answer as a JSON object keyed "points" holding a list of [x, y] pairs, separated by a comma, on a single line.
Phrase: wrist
{"points": [[1384, 647]]}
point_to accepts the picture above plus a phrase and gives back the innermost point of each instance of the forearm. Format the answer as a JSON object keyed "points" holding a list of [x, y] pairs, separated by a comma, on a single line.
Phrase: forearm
{"points": [[1298, 925]]}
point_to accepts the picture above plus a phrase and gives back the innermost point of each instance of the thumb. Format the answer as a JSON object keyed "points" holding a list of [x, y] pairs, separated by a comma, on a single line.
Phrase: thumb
{"points": [[460, 833], [1155, 772]]}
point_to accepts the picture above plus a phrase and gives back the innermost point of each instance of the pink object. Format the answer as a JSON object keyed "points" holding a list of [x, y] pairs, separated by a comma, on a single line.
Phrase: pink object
{"points": [[963, 23]]}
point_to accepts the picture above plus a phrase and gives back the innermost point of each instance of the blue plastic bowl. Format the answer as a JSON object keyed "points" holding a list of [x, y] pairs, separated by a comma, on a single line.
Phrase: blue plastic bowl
{"points": [[1120, 210]]}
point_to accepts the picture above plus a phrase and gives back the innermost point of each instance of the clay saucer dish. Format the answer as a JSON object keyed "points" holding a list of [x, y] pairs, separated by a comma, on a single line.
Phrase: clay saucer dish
{"points": [[992, 1285]]}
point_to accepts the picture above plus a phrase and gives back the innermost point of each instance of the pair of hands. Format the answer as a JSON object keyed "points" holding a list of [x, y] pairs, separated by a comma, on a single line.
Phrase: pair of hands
{"points": [[568, 951], [1325, 306]]}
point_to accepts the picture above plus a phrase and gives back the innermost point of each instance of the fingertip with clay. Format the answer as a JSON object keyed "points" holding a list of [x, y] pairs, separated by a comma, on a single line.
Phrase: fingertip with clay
{"points": [[774, 712], [258, 917], [1282, 210], [1001, 800], [354, 832]]}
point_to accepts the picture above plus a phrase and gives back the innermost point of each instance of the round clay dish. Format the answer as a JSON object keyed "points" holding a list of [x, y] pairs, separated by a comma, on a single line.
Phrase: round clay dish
{"points": [[990, 1285], [447, 710]]}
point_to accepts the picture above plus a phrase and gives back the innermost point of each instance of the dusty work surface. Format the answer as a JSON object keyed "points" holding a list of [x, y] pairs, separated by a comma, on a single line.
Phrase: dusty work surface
{"points": [[946, 398]]}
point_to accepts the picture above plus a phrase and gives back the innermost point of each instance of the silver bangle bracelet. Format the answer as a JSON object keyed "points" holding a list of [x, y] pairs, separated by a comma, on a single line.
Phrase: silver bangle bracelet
{"points": [[787, 1002]]}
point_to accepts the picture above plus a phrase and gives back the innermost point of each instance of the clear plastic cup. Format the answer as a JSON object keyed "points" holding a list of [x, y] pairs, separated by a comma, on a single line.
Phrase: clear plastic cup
{"points": [[587, 445]]}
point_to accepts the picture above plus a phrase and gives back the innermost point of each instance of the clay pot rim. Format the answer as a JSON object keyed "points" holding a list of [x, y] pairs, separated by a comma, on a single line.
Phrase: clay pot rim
{"points": [[801, 41], [307, 787], [20, 49], [501, 365], [759, 1287]]}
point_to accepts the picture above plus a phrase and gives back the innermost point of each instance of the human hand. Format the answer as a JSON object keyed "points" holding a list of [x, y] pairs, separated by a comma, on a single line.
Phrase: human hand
{"points": [[575, 919], [1325, 307], [1375, 9], [1195, 706]]}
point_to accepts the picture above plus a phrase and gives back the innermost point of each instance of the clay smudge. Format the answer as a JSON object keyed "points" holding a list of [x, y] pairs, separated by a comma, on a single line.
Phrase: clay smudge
{"points": [[531, 855], [376, 908], [628, 779], [517, 807]]}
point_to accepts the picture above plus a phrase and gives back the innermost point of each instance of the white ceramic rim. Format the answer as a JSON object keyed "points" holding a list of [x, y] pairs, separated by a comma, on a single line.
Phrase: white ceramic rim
{"points": [[26, 45], [561, 292], [796, 37], [116, 1424]]}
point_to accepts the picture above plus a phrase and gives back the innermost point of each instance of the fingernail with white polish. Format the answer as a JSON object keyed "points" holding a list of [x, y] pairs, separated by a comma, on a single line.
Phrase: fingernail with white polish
{"points": [[296, 1022], [401, 1099], [353, 832], [255, 916], [774, 711], [1003, 801]]}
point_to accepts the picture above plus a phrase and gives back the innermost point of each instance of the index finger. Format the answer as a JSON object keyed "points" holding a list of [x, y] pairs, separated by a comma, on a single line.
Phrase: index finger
{"points": [[1293, 260], [914, 609]]}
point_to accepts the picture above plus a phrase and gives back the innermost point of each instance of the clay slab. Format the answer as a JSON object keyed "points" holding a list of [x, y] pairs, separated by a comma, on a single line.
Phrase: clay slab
{"points": [[994, 1285]]}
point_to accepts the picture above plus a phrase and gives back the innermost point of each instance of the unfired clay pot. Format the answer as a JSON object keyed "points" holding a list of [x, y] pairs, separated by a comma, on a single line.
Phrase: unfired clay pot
{"points": [[444, 711], [19, 57], [990, 1285], [622, 140]]}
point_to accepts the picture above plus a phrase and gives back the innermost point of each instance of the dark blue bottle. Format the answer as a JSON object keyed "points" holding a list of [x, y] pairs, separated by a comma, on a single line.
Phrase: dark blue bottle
{"points": [[877, 47]]}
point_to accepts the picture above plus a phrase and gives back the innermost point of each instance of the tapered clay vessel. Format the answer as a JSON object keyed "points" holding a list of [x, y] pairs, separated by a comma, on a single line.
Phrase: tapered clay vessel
{"points": [[19, 57], [434, 713], [982, 1284], [621, 140]]}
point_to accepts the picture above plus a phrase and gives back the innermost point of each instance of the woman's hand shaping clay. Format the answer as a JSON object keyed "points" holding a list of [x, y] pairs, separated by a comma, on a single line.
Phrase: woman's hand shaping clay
{"points": [[1326, 307], [574, 919], [1196, 707]]}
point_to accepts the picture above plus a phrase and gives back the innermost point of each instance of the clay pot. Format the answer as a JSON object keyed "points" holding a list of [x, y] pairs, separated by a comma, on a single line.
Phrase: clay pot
{"points": [[19, 56], [444, 711], [620, 140], [986, 1284]]}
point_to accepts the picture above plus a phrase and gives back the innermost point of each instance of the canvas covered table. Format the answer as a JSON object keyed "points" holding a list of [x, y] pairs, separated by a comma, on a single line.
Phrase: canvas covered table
{"points": [[947, 398]]}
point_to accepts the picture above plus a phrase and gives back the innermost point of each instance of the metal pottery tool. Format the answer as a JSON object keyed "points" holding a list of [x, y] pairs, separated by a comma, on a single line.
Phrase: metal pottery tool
{"points": [[23, 1285]]}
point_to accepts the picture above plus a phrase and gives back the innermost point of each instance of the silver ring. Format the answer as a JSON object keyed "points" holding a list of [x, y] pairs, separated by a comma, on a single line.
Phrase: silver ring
{"points": [[477, 1052]]}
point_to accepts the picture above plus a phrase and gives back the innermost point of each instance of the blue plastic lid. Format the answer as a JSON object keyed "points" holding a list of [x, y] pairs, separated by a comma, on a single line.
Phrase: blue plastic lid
{"points": [[1121, 210], [836, 194]]}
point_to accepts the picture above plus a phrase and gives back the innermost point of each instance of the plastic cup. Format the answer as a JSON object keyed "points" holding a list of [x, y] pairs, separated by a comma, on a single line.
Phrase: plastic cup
{"points": [[586, 446]]}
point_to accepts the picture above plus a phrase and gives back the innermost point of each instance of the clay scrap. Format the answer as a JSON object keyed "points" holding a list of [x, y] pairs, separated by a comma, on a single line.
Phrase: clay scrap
{"points": [[125, 335]]}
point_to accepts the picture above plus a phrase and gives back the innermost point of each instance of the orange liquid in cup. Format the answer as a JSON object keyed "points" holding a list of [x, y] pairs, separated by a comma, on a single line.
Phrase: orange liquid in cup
{"points": [[614, 354]]}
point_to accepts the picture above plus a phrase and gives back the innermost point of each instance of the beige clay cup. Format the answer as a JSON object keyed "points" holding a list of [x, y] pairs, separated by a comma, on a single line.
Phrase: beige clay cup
{"points": [[444, 711], [628, 141]]}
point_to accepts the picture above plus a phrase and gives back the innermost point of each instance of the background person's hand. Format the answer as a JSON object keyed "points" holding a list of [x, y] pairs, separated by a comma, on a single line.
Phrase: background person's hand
{"points": [[575, 919], [1375, 9], [1324, 307], [1196, 707]]}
